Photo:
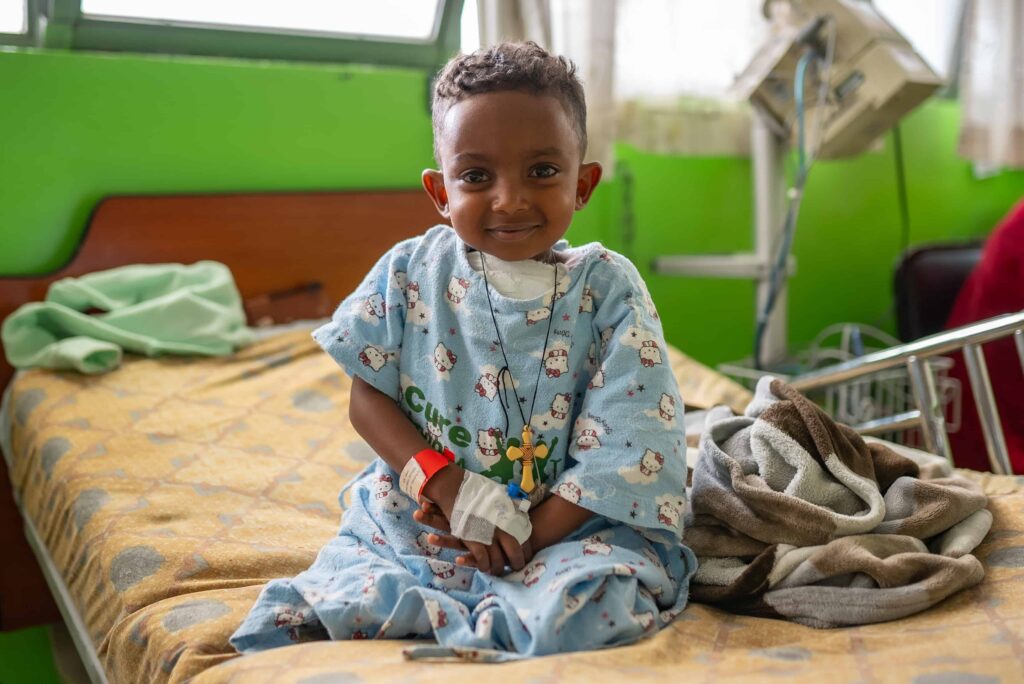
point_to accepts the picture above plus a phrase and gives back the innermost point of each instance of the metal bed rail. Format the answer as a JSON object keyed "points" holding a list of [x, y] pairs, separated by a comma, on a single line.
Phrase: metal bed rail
{"points": [[929, 414]]}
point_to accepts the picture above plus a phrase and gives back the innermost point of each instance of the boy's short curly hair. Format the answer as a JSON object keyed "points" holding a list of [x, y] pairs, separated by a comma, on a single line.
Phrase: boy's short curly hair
{"points": [[510, 66]]}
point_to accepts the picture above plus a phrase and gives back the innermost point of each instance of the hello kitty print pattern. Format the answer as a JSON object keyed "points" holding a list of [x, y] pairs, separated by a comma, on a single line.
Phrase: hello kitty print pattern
{"points": [[602, 586], [607, 405], [489, 446], [457, 289], [419, 330]]}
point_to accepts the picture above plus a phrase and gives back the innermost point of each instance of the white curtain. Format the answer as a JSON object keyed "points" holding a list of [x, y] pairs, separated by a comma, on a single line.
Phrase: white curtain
{"points": [[658, 73], [673, 71], [992, 85], [584, 31], [514, 20]]}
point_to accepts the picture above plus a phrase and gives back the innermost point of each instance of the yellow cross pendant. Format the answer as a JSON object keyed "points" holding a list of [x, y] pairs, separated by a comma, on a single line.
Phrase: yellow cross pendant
{"points": [[527, 452]]}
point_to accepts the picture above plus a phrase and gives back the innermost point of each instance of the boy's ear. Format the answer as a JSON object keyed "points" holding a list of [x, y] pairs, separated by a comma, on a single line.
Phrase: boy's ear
{"points": [[433, 183], [589, 177]]}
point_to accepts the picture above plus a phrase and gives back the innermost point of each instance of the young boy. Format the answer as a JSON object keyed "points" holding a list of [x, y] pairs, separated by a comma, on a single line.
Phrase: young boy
{"points": [[516, 389]]}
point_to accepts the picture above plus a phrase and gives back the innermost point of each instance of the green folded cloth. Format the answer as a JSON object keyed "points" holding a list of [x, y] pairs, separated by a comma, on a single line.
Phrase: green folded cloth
{"points": [[150, 309]]}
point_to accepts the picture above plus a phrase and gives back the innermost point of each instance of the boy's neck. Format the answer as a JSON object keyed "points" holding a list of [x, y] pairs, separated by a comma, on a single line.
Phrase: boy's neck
{"points": [[550, 256]]}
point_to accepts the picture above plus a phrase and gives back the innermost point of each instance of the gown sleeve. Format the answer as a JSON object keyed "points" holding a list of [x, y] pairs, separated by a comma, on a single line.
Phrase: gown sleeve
{"points": [[627, 457], [365, 333]]}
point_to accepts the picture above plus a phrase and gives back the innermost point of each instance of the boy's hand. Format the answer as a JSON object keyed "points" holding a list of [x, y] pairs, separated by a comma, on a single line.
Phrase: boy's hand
{"points": [[553, 520], [443, 489], [492, 559]]}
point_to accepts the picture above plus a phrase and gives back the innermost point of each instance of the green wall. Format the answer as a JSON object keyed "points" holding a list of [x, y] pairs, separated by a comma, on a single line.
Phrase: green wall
{"points": [[25, 658], [847, 240], [80, 126]]}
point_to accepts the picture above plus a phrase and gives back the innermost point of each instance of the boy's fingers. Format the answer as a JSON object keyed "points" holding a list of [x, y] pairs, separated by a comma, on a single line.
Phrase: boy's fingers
{"points": [[423, 518], [447, 541], [480, 555], [435, 520], [498, 561], [466, 560], [513, 551]]}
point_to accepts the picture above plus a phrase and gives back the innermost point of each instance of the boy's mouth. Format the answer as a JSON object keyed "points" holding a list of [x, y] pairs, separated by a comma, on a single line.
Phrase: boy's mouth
{"points": [[512, 232]]}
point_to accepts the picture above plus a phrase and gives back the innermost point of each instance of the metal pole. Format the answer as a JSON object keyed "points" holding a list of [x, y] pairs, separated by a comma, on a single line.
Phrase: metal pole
{"points": [[1018, 337], [998, 457], [900, 421], [933, 422], [933, 345], [767, 153]]}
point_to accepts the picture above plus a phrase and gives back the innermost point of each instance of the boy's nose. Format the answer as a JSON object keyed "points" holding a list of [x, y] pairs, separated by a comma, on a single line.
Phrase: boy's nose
{"points": [[509, 198]]}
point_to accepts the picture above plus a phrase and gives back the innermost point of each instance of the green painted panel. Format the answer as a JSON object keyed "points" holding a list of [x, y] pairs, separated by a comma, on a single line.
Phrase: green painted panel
{"points": [[26, 658], [689, 206], [81, 126], [847, 241]]}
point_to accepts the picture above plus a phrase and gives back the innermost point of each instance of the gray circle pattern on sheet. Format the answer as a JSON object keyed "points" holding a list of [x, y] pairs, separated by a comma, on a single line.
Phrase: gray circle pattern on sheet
{"points": [[340, 677], [51, 452], [138, 633], [171, 659], [1010, 557], [192, 613], [791, 653], [27, 402], [157, 438], [955, 678], [86, 505], [312, 401], [133, 565]]}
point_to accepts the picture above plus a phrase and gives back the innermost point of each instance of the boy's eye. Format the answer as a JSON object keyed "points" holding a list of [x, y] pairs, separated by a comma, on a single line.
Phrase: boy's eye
{"points": [[543, 171], [474, 176]]}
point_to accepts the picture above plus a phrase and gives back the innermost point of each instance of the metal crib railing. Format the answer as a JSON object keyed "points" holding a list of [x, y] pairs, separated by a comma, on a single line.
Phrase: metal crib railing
{"points": [[929, 415]]}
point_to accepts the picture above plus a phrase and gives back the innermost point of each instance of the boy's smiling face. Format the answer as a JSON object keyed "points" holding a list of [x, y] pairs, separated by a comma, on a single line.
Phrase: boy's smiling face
{"points": [[511, 173]]}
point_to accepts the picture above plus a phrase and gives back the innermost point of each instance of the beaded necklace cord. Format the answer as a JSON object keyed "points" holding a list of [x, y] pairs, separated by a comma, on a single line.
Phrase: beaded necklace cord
{"points": [[527, 451]]}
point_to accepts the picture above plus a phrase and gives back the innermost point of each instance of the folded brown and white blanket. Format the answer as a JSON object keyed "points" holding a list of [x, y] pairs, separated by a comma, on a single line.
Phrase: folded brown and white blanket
{"points": [[796, 516]]}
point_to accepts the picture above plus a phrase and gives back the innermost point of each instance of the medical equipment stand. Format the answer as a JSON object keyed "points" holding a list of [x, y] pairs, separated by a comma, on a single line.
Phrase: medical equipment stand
{"points": [[768, 148]]}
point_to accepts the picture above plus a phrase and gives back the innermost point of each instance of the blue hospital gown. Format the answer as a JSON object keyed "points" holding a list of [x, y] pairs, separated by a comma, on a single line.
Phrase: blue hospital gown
{"points": [[419, 330]]}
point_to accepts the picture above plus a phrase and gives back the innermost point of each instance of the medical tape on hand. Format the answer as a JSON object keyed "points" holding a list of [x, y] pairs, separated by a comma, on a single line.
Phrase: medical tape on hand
{"points": [[483, 504]]}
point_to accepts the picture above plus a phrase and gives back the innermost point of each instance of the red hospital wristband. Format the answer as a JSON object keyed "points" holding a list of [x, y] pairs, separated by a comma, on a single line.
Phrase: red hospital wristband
{"points": [[432, 461]]}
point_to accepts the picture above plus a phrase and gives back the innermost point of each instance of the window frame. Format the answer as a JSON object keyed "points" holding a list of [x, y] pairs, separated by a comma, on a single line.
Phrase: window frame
{"points": [[29, 37], [60, 24]]}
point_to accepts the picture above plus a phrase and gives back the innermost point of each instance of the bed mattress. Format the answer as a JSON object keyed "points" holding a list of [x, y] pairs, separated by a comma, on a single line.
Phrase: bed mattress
{"points": [[165, 494]]}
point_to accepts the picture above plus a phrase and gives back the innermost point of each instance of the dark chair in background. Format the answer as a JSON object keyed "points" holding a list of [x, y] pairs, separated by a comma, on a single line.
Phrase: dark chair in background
{"points": [[926, 284]]}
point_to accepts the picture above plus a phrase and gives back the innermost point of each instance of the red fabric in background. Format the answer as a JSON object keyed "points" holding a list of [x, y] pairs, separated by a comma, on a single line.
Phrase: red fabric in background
{"points": [[996, 286]]}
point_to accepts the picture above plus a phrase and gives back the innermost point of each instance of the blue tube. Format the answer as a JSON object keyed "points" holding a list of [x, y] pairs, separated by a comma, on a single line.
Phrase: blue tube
{"points": [[789, 227], [798, 94]]}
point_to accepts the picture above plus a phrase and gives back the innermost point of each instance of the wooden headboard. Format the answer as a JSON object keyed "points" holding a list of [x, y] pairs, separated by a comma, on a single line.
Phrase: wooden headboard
{"points": [[293, 255]]}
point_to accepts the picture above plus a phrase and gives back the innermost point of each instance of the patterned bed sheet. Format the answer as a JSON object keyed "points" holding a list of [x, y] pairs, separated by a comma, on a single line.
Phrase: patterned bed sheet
{"points": [[168, 492]]}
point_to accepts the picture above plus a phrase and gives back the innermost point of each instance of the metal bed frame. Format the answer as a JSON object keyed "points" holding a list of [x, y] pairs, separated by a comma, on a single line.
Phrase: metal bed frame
{"points": [[61, 594], [917, 358]]}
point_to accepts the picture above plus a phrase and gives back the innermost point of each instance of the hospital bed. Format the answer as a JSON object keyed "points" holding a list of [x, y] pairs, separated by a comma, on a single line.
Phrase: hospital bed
{"points": [[917, 357], [159, 498]]}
